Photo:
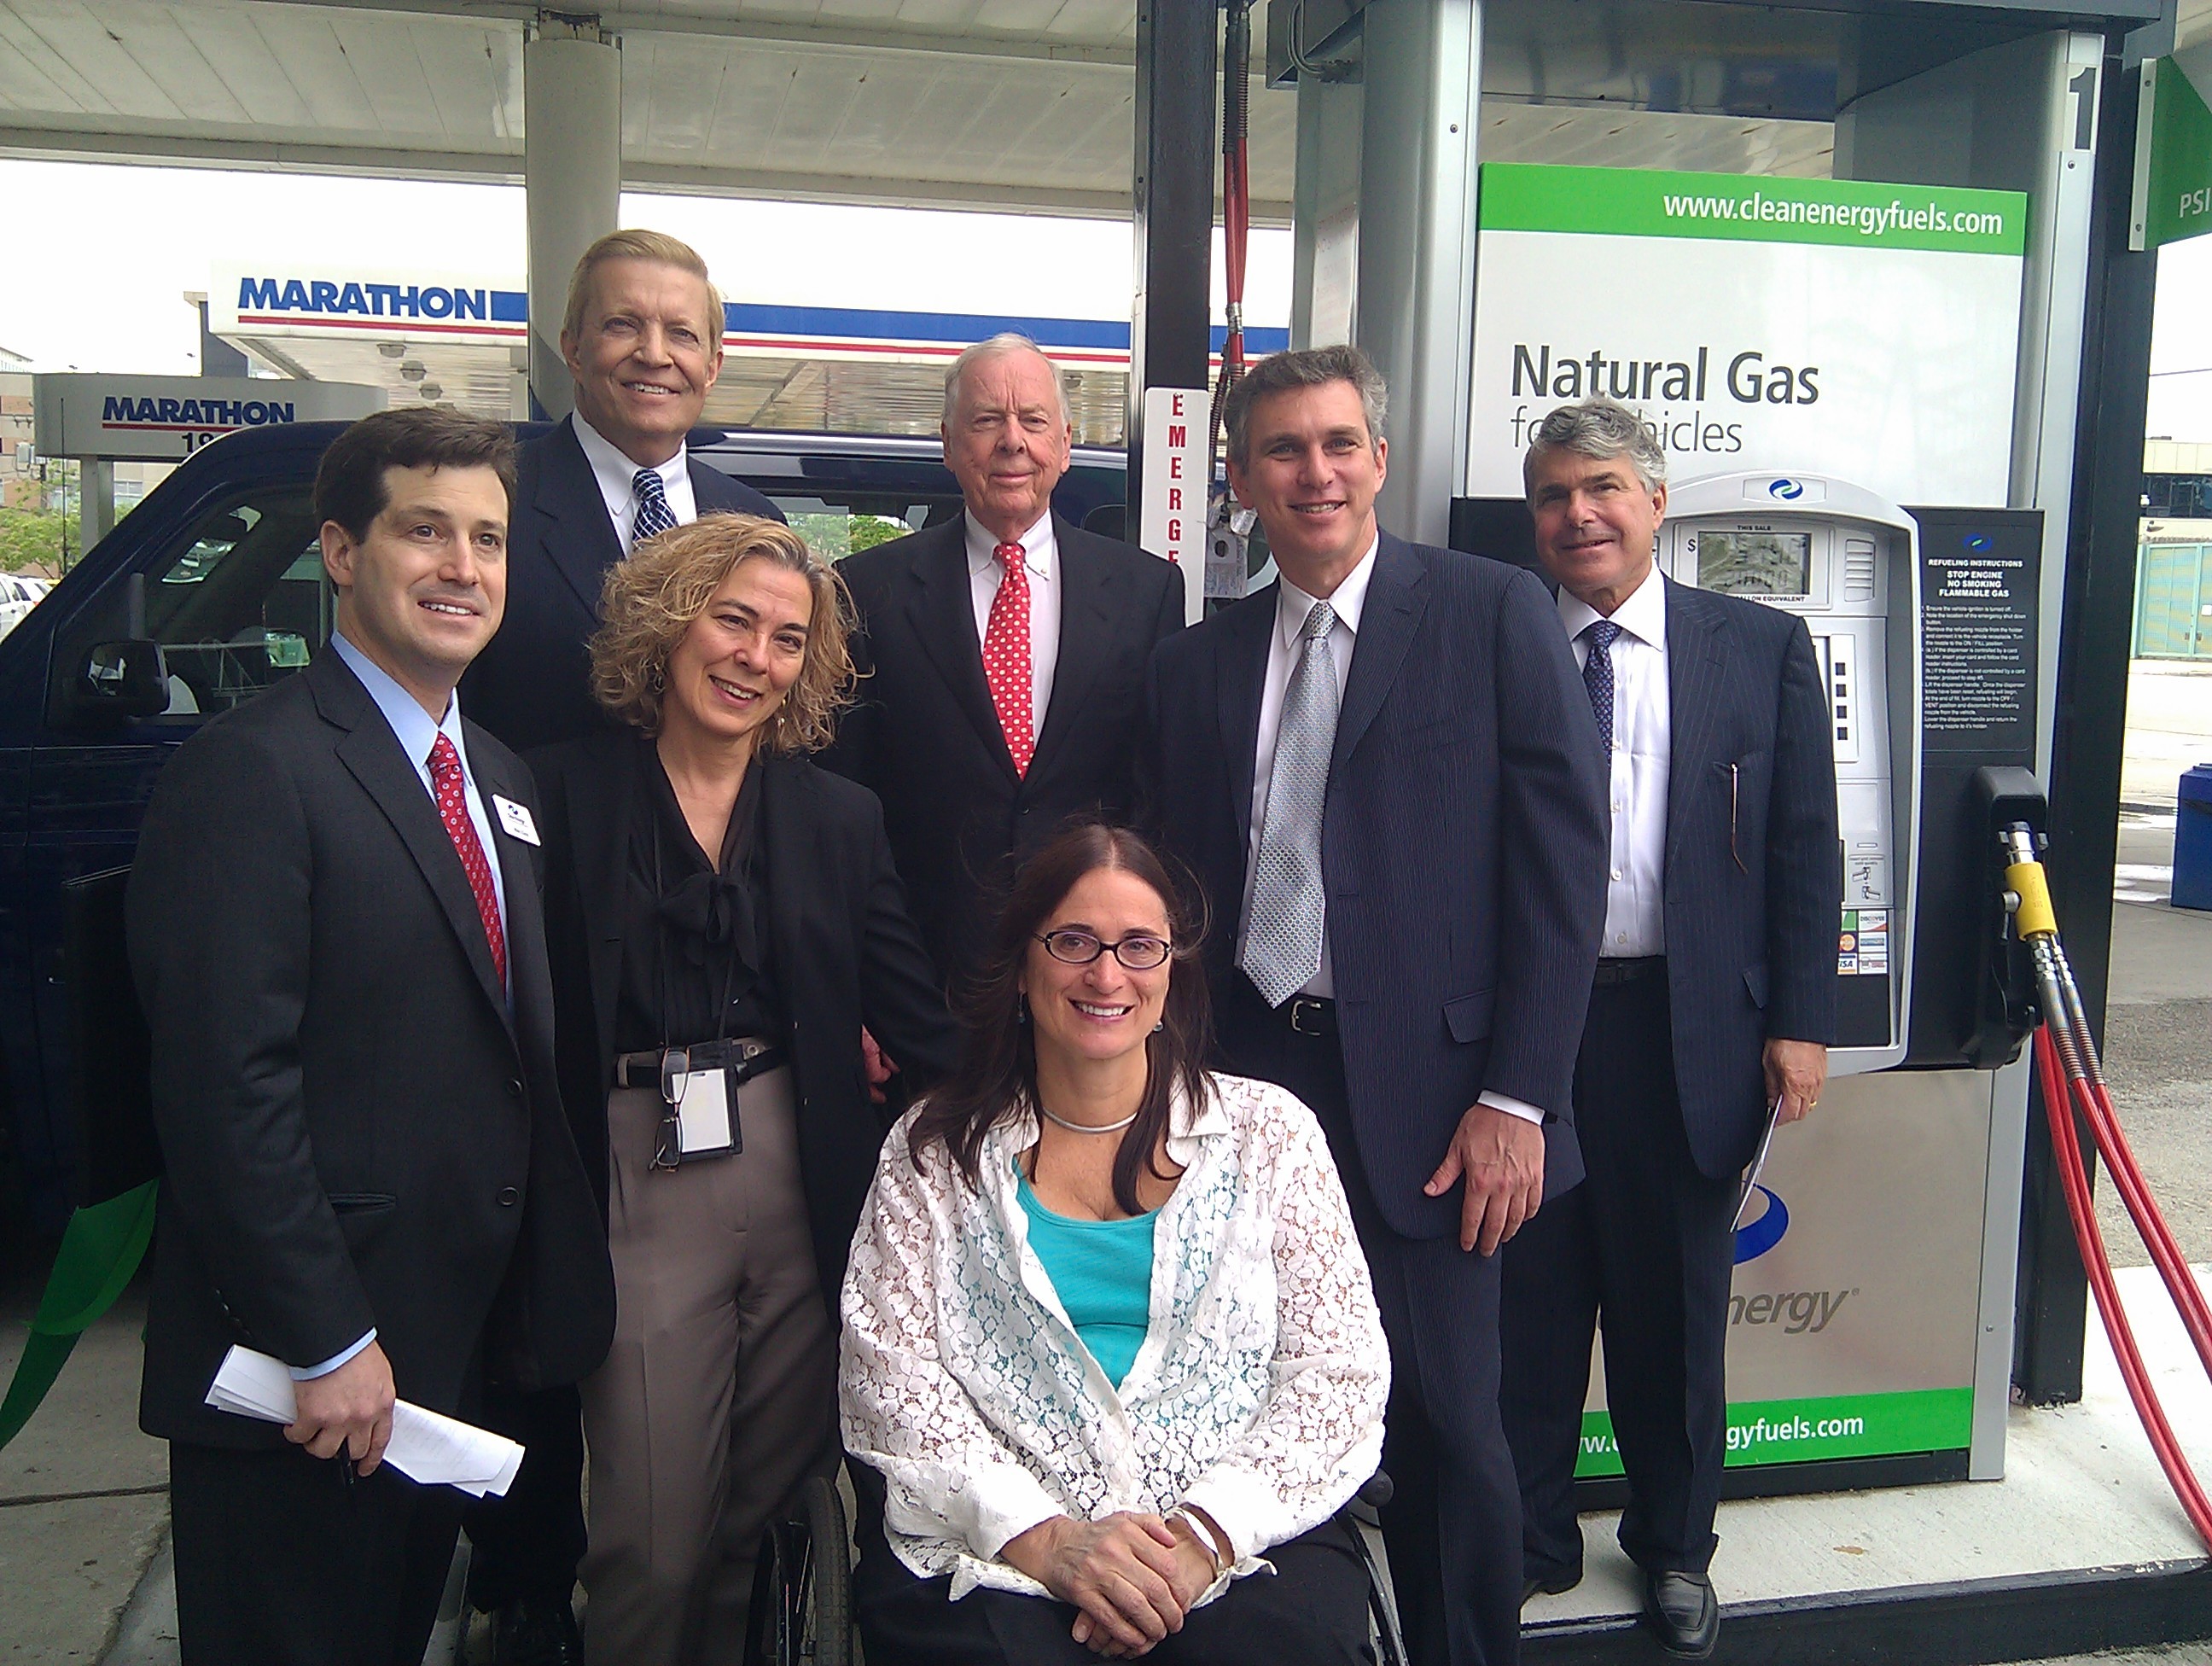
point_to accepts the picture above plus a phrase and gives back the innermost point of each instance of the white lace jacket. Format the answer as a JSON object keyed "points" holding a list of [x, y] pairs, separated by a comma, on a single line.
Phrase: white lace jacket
{"points": [[1258, 1393]]}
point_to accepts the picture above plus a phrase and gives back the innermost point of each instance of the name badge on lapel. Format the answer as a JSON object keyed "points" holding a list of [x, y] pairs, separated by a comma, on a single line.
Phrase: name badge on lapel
{"points": [[515, 819]]}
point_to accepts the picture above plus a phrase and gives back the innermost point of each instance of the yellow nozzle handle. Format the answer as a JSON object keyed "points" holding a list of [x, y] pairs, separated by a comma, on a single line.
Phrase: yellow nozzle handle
{"points": [[2035, 917]]}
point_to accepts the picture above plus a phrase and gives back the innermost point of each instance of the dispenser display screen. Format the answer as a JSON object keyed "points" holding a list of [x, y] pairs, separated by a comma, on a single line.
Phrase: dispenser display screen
{"points": [[1746, 564]]}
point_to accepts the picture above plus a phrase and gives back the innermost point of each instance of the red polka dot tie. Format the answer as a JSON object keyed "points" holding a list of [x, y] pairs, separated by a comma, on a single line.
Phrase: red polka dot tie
{"points": [[454, 805], [1006, 656]]}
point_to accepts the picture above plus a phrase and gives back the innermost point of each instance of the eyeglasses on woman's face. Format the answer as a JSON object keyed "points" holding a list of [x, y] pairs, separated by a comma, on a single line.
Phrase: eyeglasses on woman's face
{"points": [[1139, 951]]}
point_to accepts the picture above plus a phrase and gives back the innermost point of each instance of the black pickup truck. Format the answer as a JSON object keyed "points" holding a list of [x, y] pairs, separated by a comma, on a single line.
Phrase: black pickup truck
{"points": [[221, 568]]}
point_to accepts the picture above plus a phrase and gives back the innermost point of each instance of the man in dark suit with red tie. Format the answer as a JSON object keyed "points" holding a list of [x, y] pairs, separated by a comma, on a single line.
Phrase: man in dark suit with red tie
{"points": [[1002, 657], [335, 931]]}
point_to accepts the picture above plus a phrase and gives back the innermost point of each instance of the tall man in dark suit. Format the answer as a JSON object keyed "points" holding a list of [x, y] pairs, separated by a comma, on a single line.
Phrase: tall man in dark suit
{"points": [[335, 930], [642, 336], [1371, 769], [1002, 657], [1715, 996]]}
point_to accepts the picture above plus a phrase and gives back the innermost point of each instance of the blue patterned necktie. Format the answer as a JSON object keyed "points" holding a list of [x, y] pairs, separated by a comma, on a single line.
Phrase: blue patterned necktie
{"points": [[1597, 675], [654, 516], [1283, 938]]}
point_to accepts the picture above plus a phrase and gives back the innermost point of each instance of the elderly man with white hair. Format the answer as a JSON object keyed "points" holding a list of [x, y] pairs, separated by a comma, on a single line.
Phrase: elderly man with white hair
{"points": [[1714, 1000], [1002, 654]]}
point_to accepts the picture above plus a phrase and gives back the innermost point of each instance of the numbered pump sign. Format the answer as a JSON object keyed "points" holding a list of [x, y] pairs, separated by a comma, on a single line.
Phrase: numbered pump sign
{"points": [[165, 419], [1753, 323]]}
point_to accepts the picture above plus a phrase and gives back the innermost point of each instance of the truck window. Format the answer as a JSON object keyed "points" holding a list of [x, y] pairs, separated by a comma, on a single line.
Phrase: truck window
{"points": [[242, 602], [840, 528]]}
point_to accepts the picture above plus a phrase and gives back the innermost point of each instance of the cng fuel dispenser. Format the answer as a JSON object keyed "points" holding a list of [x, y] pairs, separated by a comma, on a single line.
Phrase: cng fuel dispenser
{"points": [[1846, 563]]}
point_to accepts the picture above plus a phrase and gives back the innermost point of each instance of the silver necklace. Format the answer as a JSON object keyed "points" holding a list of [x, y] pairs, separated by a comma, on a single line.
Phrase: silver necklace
{"points": [[1086, 1128]]}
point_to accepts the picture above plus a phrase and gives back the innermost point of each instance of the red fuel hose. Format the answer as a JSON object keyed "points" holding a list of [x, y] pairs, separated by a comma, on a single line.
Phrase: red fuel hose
{"points": [[2096, 1100], [2074, 1178], [1236, 195]]}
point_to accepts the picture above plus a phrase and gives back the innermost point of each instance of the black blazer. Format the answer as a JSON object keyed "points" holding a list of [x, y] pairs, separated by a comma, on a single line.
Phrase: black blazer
{"points": [[845, 955], [1751, 909], [356, 1130], [1463, 849], [531, 686], [924, 737]]}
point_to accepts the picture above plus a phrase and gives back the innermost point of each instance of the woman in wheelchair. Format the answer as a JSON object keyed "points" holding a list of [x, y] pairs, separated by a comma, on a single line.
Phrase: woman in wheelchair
{"points": [[1110, 1346]]}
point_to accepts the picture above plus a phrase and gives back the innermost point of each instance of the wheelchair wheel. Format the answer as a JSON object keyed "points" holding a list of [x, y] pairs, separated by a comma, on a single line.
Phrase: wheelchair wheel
{"points": [[802, 1607]]}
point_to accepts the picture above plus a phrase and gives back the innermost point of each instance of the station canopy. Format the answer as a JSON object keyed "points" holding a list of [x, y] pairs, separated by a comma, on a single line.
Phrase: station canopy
{"points": [[1026, 106]]}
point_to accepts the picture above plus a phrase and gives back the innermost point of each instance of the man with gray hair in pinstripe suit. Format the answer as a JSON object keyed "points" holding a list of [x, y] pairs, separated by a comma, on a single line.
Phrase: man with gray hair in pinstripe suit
{"points": [[1715, 997]]}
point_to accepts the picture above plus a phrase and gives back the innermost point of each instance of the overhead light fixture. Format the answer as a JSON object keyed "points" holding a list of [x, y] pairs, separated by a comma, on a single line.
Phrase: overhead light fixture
{"points": [[431, 391], [412, 372], [392, 349]]}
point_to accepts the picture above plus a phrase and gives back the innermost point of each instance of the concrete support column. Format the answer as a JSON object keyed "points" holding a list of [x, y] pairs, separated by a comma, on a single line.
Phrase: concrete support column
{"points": [[95, 485], [572, 174], [1325, 214], [1416, 245]]}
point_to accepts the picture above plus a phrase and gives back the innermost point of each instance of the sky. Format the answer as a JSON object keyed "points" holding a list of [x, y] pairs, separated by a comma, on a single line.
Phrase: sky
{"points": [[137, 238], [101, 255]]}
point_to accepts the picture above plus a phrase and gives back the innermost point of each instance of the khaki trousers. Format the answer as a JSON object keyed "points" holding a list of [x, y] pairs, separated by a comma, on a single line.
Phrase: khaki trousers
{"points": [[719, 1397]]}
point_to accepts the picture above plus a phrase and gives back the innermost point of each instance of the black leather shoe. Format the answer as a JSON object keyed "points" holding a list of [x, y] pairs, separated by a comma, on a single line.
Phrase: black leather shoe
{"points": [[1683, 1610], [1552, 1583], [535, 1631]]}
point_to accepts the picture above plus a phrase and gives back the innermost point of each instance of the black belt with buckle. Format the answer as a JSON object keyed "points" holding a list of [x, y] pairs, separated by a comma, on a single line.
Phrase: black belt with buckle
{"points": [[1629, 969], [1311, 1015]]}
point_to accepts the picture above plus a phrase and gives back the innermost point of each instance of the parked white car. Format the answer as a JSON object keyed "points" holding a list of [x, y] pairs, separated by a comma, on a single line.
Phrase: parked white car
{"points": [[18, 596]]}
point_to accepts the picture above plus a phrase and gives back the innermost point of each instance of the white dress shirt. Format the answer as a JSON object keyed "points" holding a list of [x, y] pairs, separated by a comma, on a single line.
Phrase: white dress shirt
{"points": [[1041, 555], [617, 481], [1257, 1395], [412, 727], [1640, 760], [1292, 605]]}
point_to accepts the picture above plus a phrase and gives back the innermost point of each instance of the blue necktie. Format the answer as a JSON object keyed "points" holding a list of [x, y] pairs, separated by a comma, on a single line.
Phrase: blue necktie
{"points": [[1597, 675], [654, 517]]}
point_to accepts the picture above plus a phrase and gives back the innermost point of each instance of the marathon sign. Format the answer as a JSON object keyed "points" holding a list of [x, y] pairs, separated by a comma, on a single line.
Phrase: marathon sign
{"points": [[167, 418], [292, 302]]}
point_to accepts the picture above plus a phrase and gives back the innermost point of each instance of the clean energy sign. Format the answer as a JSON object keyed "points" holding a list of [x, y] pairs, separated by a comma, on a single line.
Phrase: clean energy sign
{"points": [[167, 418], [1753, 323]]}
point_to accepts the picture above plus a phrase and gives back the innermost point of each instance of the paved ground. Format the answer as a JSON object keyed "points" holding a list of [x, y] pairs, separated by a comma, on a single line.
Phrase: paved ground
{"points": [[2158, 1042], [83, 1503]]}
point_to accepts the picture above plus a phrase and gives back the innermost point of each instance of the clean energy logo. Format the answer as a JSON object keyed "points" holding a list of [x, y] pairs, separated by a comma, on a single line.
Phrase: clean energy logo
{"points": [[1977, 542], [1754, 1238], [1786, 489]]}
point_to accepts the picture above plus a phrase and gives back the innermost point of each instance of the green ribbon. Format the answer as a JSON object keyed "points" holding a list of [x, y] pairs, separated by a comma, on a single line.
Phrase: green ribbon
{"points": [[100, 1250]]}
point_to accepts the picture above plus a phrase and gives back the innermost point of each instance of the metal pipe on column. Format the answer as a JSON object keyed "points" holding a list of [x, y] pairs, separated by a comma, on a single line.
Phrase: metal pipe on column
{"points": [[1416, 232], [1172, 213], [572, 176]]}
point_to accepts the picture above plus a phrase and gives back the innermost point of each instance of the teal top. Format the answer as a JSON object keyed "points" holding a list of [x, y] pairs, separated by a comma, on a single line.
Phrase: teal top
{"points": [[1103, 1270]]}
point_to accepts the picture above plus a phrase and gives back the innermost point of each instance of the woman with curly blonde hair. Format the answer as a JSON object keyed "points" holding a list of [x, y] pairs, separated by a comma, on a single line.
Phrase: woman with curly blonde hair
{"points": [[722, 918]]}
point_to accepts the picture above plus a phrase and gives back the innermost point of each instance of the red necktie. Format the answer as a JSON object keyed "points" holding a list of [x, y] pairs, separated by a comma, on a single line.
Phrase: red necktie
{"points": [[454, 805], [1006, 656]]}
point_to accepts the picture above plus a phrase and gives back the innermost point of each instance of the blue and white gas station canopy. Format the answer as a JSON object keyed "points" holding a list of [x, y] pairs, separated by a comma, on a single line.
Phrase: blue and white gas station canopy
{"points": [[455, 338]]}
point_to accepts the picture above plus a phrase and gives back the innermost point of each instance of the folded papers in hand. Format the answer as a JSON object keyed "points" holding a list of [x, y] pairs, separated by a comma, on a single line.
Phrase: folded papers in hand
{"points": [[426, 1446]]}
